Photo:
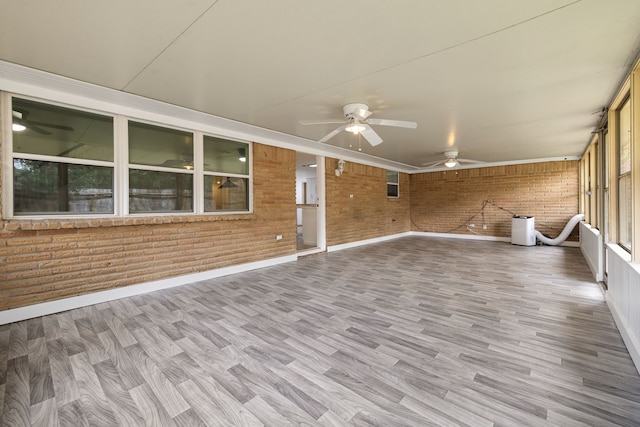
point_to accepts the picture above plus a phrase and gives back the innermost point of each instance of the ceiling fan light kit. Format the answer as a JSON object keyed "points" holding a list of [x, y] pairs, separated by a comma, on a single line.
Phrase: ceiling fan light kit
{"points": [[450, 163], [21, 122], [17, 125], [355, 128], [451, 160], [358, 123]]}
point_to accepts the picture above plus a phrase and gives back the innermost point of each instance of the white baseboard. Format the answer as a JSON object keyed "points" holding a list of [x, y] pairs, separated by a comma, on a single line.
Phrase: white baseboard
{"points": [[460, 236], [51, 307], [367, 242], [633, 346], [431, 234], [596, 271], [479, 237], [570, 244]]}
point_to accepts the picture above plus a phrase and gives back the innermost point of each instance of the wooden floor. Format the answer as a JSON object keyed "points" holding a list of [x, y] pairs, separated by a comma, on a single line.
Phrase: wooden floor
{"points": [[410, 332]]}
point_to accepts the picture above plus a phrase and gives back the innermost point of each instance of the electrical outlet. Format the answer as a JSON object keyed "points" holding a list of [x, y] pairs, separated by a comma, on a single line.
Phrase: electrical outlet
{"points": [[484, 226], [471, 225], [278, 236]]}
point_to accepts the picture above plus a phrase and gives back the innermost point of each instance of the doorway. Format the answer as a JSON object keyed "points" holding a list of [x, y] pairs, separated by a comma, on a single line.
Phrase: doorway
{"points": [[309, 202]]}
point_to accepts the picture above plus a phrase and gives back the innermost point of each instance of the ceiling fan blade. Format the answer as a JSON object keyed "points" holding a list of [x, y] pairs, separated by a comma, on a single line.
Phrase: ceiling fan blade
{"points": [[396, 123], [332, 134], [37, 129], [321, 122], [361, 113], [51, 125], [469, 161], [434, 164], [370, 135]]}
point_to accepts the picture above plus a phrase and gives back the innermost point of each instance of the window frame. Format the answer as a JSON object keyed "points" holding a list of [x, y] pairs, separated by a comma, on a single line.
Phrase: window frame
{"points": [[392, 184], [156, 168], [120, 165], [8, 193], [626, 176], [248, 176]]}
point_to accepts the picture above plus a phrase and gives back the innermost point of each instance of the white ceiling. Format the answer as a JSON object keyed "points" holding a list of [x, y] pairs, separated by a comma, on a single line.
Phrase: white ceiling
{"points": [[500, 80]]}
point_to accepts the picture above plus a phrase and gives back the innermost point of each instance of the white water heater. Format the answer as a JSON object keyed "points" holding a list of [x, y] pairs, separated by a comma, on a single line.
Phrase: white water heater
{"points": [[523, 231]]}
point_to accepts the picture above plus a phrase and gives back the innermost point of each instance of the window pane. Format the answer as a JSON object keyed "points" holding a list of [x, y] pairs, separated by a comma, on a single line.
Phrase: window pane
{"points": [[225, 194], [159, 146], [50, 187], [392, 177], [222, 155], [55, 131], [624, 211], [151, 191], [605, 219], [625, 137], [605, 160], [392, 190]]}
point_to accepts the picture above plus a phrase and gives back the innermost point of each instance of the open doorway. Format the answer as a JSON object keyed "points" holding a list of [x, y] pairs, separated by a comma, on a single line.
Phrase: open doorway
{"points": [[309, 206]]}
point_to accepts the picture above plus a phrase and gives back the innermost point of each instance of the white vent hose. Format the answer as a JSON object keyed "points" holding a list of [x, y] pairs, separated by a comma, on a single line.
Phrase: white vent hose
{"points": [[565, 233]]}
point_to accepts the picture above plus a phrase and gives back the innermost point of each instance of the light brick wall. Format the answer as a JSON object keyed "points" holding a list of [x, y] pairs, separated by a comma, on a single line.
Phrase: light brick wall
{"points": [[369, 213], [445, 202], [47, 260]]}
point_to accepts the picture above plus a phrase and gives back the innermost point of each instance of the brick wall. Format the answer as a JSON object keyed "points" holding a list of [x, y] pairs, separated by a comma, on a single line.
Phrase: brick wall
{"points": [[369, 213], [47, 260], [445, 202]]}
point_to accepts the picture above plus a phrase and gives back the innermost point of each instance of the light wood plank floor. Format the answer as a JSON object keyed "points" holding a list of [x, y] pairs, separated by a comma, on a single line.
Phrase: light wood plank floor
{"points": [[410, 332]]}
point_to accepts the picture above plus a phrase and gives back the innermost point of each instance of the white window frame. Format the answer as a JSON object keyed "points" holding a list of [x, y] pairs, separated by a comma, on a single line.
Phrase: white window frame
{"points": [[136, 166], [627, 175], [8, 156], [397, 184], [204, 173], [120, 166]]}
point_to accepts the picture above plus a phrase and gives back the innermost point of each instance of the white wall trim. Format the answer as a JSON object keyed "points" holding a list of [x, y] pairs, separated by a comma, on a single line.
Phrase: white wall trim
{"points": [[51, 307], [461, 236], [592, 249], [479, 237], [367, 241], [25, 81], [633, 346], [494, 164], [431, 234]]}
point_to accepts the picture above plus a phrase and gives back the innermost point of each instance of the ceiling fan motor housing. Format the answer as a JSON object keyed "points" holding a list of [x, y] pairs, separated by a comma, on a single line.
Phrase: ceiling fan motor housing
{"points": [[355, 111], [451, 154]]}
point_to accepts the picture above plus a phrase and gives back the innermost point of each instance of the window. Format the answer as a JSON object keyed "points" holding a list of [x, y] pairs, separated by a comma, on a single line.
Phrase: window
{"points": [[624, 175], [226, 175], [393, 184], [160, 169], [68, 162], [62, 160], [605, 202]]}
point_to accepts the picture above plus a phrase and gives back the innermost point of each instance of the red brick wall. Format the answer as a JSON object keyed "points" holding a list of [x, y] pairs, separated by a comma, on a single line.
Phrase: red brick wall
{"points": [[369, 213], [47, 260], [445, 202]]}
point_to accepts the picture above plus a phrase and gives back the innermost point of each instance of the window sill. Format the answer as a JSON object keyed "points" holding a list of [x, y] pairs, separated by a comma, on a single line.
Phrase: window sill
{"points": [[14, 225]]}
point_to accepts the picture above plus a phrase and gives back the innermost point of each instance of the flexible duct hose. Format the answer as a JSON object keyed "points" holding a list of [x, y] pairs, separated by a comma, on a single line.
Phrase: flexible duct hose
{"points": [[565, 233]]}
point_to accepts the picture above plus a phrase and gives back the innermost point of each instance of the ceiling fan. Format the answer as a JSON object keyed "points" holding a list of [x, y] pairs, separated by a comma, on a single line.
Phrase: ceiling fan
{"points": [[21, 122], [450, 160], [358, 122]]}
